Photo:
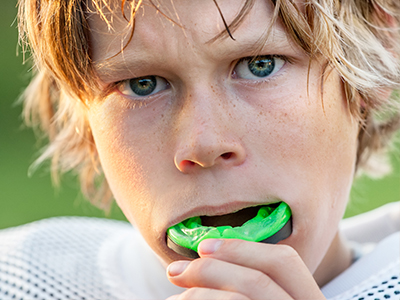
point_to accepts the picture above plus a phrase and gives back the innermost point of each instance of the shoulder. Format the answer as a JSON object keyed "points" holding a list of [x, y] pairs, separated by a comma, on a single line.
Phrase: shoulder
{"points": [[374, 276], [55, 258], [372, 226], [60, 225]]}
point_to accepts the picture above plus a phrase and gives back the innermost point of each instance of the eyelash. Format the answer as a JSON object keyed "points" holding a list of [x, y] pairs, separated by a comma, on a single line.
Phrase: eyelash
{"points": [[139, 100], [137, 103], [267, 78], [283, 57]]}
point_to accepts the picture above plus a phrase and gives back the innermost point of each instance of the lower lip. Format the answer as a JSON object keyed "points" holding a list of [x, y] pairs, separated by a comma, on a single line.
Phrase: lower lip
{"points": [[270, 226]]}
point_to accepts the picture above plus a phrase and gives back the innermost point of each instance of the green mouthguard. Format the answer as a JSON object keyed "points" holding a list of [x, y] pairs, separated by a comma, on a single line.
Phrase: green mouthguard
{"points": [[271, 224]]}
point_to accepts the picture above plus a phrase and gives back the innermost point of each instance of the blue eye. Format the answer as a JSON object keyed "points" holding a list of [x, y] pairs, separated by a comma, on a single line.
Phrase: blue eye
{"points": [[258, 67], [143, 86]]}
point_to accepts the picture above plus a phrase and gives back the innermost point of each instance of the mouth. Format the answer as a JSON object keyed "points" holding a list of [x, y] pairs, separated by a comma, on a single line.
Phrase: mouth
{"points": [[233, 219], [267, 223]]}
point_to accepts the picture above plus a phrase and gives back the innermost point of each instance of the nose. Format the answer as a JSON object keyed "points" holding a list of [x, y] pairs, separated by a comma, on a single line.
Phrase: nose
{"points": [[209, 137], [207, 154]]}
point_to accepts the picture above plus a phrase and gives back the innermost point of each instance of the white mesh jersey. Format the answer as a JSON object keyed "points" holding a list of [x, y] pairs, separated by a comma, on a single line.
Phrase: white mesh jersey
{"points": [[79, 258], [87, 258], [375, 276]]}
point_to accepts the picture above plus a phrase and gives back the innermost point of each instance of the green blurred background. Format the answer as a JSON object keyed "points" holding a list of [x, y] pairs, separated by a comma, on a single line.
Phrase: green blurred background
{"points": [[24, 199]]}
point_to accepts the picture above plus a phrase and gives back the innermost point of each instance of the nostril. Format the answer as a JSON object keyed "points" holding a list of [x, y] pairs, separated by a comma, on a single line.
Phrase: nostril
{"points": [[187, 163], [191, 161], [227, 155]]}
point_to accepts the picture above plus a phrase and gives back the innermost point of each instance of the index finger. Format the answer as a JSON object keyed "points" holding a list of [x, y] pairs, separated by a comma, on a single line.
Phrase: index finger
{"points": [[280, 262]]}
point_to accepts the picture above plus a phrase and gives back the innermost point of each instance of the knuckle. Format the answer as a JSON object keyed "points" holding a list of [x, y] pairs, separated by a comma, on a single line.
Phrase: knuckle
{"points": [[197, 293], [235, 296], [202, 265], [259, 281], [288, 256], [288, 253], [232, 244], [191, 293]]}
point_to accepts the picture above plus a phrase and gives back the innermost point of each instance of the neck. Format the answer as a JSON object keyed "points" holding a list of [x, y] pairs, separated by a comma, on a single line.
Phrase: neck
{"points": [[337, 259]]}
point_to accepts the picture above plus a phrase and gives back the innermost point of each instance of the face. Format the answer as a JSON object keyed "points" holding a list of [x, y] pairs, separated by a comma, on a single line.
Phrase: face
{"points": [[207, 130]]}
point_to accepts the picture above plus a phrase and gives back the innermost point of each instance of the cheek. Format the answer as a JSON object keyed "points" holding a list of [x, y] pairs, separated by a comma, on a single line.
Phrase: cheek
{"points": [[323, 150], [139, 168], [308, 147], [126, 157], [307, 138]]}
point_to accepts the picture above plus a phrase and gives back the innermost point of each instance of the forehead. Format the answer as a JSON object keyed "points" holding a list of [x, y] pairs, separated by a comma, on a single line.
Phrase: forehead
{"points": [[181, 13], [177, 23]]}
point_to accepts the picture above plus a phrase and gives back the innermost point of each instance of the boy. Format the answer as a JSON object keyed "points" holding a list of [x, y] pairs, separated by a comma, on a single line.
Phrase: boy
{"points": [[209, 109]]}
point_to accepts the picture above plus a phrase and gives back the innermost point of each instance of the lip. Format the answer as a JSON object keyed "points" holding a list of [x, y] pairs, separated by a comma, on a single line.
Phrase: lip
{"points": [[271, 224], [210, 210]]}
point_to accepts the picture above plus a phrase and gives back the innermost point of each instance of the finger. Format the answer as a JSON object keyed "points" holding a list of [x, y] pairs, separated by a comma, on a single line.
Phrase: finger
{"points": [[220, 275], [209, 294], [280, 262]]}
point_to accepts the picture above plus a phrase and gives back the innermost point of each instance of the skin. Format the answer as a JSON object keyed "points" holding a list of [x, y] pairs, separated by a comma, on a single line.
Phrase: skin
{"points": [[212, 143]]}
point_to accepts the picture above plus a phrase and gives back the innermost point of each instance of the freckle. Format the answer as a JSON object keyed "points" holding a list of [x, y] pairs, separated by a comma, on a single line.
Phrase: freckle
{"points": [[162, 115]]}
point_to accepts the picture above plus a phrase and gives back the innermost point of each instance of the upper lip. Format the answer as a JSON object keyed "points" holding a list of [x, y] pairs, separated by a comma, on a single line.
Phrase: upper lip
{"points": [[211, 210]]}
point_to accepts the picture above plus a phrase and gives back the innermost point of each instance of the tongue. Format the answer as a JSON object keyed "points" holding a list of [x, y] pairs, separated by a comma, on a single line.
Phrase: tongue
{"points": [[234, 219]]}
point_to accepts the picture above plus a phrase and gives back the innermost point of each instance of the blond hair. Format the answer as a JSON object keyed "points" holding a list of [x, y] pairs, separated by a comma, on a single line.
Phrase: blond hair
{"points": [[358, 38]]}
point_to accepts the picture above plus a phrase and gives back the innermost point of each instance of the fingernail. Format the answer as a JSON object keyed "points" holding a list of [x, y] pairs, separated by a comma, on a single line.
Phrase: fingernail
{"points": [[209, 246], [177, 268]]}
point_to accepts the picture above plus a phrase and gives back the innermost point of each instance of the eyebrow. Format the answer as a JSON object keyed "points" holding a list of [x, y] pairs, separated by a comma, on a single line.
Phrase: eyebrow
{"points": [[136, 62], [275, 41], [109, 68]]}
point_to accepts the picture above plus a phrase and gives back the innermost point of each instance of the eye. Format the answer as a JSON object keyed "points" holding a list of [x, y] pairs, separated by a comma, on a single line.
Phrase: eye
{"points": [[143, 86], [258, 67]]}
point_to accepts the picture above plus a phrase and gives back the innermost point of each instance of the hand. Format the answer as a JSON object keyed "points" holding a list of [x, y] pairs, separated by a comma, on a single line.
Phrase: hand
{"points": [[236, 269]]}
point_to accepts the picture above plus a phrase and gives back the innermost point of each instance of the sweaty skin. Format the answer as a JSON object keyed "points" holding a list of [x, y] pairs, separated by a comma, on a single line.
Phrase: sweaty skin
{"points": [[212, 140]]}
